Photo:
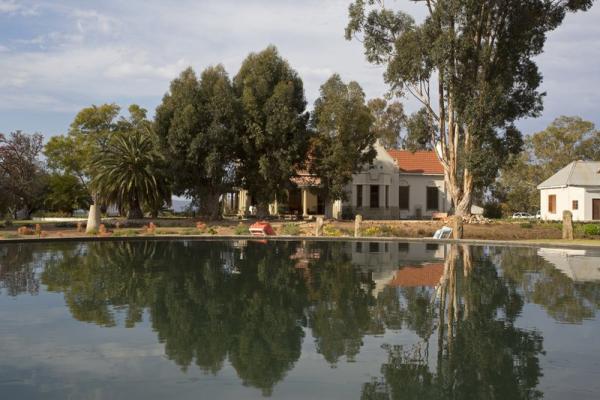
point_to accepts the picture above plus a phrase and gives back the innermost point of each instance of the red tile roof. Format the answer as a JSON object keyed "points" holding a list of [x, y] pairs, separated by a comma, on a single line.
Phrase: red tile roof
{"points": [[419, 162], [426, 275]]}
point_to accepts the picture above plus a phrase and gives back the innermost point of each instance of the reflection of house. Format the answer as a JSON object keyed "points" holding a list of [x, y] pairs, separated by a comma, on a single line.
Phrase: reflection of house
{"points": [[579, 265], [398, 184], [576, 188], [384, 261], [416, 276]]}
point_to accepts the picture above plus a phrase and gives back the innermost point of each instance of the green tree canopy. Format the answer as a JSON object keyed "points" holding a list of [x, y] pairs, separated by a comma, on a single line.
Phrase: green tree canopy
{"points": [[274, 136], [66, 193], [388, 121], [125, 173], [198, 123], [343, 139], [471, 65]]}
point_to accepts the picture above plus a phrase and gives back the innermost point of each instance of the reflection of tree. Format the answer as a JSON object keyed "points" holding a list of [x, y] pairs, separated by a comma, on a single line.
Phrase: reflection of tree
{"points": [[98, 279], [340, 314], [200, 309], [542, 283], [17, 269], [481, 354]]}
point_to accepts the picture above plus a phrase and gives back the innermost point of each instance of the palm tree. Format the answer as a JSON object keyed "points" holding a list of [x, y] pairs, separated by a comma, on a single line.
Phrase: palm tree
{"points": [[127, 173]]}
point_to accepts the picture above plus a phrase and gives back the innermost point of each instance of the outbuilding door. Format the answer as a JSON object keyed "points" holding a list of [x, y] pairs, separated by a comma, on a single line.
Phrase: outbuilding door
{"points": [[596, 209]]}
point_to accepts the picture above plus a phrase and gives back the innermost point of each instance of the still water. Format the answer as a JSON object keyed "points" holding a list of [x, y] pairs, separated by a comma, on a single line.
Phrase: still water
{"points": [[297, 320]]}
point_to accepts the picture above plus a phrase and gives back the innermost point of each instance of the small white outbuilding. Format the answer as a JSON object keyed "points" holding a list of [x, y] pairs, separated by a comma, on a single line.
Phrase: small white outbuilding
{"points": [[576, 188]]}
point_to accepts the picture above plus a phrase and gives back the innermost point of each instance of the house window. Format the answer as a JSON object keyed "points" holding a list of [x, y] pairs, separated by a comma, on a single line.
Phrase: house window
{"points": [[432, 198], [358, 247], [387, 196], [373, 247], [432, 247], [552, 204], [359, 193], [374, 196], [575, 205], [403, 247], [403, 195]]}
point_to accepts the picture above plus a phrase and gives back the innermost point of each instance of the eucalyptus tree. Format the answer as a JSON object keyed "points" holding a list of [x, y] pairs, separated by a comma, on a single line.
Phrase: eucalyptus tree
{"points": [[388, 121], [343, 140], [197, 123], [274, 136], [470, 63]]}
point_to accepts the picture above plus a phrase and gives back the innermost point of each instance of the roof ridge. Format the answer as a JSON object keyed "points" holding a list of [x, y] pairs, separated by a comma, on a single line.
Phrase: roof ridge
{"points": [[573, 163]]}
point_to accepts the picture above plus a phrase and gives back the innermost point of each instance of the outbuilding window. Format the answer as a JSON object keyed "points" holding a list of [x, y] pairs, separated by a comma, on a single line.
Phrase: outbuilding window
{"points": [[575, 205], [552, 204]]}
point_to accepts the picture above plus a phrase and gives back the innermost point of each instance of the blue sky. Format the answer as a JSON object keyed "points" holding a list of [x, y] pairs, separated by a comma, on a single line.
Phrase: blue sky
{"points": [[57, 56]]}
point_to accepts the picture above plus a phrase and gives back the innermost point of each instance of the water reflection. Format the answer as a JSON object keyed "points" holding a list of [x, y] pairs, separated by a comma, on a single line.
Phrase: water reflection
{"points": [[250, 305]]}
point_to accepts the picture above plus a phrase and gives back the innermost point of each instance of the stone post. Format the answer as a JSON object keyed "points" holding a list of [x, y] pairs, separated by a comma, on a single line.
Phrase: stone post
{"points": [[319, 226], [93, 222], [357, 224], [567, 231], [457, 227]]}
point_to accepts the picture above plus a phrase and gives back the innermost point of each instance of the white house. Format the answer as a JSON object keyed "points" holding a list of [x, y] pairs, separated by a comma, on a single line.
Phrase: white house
{"points": [[576, 188], [398, 184]]}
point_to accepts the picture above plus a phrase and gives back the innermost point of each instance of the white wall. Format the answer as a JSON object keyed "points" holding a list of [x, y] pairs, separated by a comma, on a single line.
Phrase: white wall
{"points": [[564, 201], [589, 195], [384, 172]]}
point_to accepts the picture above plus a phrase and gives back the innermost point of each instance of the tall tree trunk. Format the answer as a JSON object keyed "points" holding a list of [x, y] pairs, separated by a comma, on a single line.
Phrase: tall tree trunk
{"points": [[135, 211], [262, 210], [210, 206]]}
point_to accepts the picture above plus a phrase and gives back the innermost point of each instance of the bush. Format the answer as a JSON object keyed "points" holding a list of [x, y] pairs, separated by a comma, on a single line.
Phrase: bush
{"points": [[526, 225], [591, 230], [23, 230], [330, 230], [289, 229], [492, 209], [241, 229]]}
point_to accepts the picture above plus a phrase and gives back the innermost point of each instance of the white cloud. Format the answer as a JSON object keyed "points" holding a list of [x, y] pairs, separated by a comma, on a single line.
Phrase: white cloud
{"points": [[12, 7], [119, 51]]}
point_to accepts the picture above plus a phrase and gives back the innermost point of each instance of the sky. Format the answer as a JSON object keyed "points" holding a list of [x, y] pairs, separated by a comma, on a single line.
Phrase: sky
{"points": [[58, 56]]}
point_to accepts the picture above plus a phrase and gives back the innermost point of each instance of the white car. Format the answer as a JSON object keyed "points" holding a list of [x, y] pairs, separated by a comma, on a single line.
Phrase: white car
{"points": [[522, 215]]}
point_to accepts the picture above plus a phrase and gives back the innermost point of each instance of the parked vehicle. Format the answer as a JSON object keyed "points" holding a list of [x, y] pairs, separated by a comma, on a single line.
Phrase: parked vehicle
{"points": [[522, 215]]}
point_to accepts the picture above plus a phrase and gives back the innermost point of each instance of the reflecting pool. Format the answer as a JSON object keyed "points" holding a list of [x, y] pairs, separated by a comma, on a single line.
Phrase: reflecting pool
{"points": [[297, 320]]}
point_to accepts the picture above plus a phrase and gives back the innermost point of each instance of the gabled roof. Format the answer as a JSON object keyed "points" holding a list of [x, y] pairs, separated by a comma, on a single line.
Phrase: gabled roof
{"points": [[577, 173], [419, 162]]}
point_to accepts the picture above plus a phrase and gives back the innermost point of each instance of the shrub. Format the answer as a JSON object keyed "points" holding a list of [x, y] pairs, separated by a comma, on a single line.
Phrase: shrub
{"points": [[526, 225], [289, 229], [23, 230], [591, 230], [212, 231], [241, 229], [330, 230]]}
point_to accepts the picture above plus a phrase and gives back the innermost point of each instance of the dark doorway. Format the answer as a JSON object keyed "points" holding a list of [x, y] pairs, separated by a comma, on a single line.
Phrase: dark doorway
{"points": [[295, 201], [596, 209]]}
